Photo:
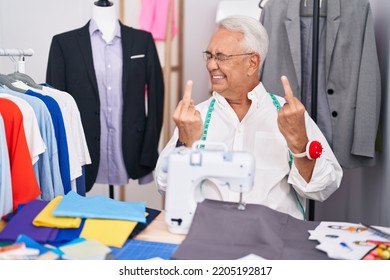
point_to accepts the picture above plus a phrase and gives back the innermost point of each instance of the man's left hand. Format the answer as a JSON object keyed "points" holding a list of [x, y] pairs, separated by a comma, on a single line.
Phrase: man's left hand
{"points": [[291, 120]]}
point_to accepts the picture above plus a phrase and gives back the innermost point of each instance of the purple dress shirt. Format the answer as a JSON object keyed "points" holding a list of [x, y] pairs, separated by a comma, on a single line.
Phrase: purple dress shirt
{"points": [[108, 61]]}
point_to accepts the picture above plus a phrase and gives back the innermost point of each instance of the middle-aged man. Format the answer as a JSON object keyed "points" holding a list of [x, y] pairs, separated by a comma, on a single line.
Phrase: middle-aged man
{"points": [[243, 115]]}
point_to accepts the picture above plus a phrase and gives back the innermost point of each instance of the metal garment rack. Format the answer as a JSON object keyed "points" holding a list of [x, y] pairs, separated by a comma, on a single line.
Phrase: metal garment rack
{"points": [[314, 77], [18, 57], [314, 80]]}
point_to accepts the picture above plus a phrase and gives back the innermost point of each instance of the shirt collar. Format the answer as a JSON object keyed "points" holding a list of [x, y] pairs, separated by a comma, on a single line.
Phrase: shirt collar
{"points": [[256, 96], [94, 28]]}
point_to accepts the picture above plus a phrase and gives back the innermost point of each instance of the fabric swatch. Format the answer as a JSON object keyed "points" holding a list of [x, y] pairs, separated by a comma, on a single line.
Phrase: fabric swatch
{"points": [[98, 206], [46, 219], [109, 232]]}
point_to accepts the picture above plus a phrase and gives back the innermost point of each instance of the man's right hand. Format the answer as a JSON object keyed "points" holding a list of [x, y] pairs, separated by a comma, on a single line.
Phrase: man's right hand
{"points": [[187, 119]]}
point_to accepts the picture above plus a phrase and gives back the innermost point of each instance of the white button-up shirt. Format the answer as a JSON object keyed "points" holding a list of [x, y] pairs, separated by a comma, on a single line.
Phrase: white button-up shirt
{"points": [[258, 133]]}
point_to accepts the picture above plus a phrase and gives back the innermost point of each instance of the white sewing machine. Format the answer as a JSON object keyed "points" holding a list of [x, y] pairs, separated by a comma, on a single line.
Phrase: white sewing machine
{"points": [[187, 168]]}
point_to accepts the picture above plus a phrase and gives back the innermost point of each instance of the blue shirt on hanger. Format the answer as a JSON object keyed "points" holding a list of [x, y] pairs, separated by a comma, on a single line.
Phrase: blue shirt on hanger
{"points": [[60, 135]]}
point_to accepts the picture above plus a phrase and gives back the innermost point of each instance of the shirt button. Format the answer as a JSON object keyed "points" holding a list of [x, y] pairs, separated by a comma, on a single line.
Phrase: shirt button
{"points": [[109, 88], [330, 91], [334, 114], [109, 66]]}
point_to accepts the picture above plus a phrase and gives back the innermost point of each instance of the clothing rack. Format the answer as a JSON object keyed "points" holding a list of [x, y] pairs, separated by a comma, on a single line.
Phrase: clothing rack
{"points": [[314, 76], [314, 80], [20, 63]]}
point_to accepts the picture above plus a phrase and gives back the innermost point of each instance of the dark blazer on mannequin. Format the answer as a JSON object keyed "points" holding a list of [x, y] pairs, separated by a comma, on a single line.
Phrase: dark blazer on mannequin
{"points": [[353, 85], [71, 69]]}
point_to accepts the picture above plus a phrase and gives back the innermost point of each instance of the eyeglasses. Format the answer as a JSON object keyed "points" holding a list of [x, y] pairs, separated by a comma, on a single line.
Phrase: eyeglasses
{"points": [[221, 57]]}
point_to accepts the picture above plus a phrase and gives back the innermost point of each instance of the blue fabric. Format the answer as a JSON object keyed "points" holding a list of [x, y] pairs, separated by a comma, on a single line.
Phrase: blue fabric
{"points": [[98, 206], [152, 214], [67, 234], [5, 174], [80, 182], [60, 135], [31, 243]]}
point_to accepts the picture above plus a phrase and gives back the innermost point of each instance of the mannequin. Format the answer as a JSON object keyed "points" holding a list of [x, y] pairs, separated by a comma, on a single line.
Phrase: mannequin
{"points": [[105, 16], [106, 66]]}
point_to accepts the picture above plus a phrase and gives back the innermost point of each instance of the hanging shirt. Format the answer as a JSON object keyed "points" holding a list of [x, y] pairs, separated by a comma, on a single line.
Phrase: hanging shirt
{"points": [[24, 184], [60, 135], [35, 143], [258, 133], [108, 64], [5, 174], [75, 168], [154, 18], [74, 128], [47, 168], [77, 148], [75, 123]]}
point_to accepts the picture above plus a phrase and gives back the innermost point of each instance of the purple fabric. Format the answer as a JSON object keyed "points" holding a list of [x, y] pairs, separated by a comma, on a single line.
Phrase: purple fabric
{"points": [[21, 223]]}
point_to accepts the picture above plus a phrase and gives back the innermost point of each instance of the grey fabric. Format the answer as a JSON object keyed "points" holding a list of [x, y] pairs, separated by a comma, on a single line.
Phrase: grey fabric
{"points": [[352, 76], [323, 117], [220, 231]]}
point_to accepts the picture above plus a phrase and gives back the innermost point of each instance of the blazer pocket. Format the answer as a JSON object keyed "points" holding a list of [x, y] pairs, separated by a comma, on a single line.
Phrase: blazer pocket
{"points": [[137, 56]]}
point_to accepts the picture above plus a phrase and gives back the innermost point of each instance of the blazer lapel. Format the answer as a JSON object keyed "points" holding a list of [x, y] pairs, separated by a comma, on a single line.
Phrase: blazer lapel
{"points": [[84, 41], [293, 30], [127, 46], [332, 28]]}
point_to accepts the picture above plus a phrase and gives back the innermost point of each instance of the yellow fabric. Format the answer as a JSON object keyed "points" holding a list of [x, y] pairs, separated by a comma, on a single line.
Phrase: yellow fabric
{"points": [[109, 232], [45, 218], [2, 225]]}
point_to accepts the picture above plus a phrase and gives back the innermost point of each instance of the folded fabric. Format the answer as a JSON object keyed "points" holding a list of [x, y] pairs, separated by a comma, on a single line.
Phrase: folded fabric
{"points": [[46, 219], [98, 206], [30, 243], [108, 232], [152, 214], [67, 234], [85, 250], [21, 223]]}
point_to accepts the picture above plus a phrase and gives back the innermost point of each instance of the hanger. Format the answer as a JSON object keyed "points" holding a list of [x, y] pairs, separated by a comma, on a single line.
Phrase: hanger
{"points": [[7, 81], [25, 79], [260, 4], [103, 3], [306, 8]]}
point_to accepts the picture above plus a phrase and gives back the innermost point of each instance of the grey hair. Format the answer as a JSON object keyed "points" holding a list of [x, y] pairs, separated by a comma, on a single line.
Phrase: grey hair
{"points": [[255, 35]]}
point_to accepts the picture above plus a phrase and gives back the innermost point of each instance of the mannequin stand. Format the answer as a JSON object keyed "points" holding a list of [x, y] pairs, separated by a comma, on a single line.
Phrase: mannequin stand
{"points": [[111, 191]]}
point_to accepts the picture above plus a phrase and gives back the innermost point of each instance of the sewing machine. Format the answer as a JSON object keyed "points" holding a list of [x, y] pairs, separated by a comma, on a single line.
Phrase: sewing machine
{"points": [[187, 168]]}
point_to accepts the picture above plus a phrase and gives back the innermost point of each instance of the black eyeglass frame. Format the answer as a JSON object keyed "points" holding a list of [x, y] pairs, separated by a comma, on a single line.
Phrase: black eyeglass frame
{"points": [[221, 57]]}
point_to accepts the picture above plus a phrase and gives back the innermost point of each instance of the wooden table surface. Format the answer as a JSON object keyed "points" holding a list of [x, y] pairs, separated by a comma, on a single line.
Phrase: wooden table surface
{"points": [[157, 231]]}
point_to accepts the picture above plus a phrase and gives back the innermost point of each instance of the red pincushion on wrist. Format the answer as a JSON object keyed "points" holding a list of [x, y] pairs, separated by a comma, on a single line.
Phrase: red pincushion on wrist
{"points": [[314, 150]]}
